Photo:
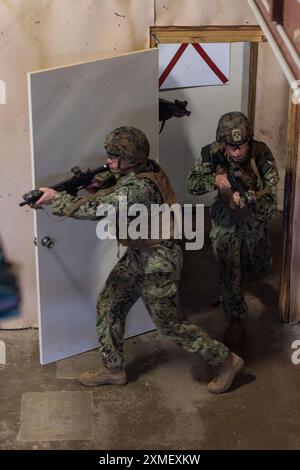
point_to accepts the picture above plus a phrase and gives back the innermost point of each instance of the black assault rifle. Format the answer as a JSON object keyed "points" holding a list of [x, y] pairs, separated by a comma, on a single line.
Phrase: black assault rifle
{"points": [[80, 180], [167, 110], [248, 197]]}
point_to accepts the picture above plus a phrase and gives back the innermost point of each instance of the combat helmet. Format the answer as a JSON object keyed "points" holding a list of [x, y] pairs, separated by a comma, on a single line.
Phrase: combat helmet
{"points": [[234, 129], [127, 143]]}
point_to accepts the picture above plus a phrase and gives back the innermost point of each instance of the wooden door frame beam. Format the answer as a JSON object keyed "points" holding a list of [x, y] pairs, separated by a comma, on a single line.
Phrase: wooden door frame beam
{"points": [[190, 34], [288, 215]]}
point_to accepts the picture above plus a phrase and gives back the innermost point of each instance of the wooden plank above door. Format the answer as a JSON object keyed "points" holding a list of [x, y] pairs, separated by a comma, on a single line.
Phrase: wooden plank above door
{"points": [[191, 34]]}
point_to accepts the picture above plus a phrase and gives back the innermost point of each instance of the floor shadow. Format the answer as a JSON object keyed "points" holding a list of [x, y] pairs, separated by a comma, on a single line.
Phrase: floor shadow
{"points": [[143, 364], [263, 291], [241, 380]]}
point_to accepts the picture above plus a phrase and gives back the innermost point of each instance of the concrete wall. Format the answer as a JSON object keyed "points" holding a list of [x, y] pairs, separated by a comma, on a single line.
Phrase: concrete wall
{"points": [[37, 34]]}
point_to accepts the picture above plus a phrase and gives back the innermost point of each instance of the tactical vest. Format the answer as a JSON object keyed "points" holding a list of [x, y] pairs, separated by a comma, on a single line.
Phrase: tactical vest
{"points": [[163, 185], [246, 171], [168, 196]]}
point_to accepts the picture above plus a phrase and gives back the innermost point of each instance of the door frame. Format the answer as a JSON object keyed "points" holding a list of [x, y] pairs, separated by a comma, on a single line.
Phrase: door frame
{"points": [[254, 35], [68, 285], [205, 34]]}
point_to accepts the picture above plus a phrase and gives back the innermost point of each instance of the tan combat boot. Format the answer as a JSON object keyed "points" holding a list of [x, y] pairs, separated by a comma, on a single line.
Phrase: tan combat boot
{"points": [[230, 368], [103, 376], [235, 332]]}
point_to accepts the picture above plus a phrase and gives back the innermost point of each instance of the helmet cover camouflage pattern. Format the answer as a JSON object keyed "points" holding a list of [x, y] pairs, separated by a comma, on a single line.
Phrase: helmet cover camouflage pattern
{"points": [[127, 143], [234, 129]]}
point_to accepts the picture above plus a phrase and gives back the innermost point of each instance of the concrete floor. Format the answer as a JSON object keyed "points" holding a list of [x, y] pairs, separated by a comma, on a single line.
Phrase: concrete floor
{"points": [[162, 406]]}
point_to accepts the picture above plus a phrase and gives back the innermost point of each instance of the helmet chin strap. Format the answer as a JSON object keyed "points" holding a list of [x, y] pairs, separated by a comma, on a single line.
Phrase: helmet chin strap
{"points": [[124, 171], [238, 159]]}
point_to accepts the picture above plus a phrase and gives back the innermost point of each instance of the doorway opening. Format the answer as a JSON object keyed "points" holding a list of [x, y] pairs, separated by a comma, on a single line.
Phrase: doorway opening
{"points": [[184, 146]]}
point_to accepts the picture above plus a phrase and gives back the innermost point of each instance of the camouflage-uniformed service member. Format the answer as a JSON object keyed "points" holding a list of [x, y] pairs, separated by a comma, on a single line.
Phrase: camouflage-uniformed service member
{"points": [[239, 234], [150, 268]]}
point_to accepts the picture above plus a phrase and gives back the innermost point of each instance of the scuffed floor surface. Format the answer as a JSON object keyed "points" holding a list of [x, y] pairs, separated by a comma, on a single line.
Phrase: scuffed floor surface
{"points": [[165, 405]]}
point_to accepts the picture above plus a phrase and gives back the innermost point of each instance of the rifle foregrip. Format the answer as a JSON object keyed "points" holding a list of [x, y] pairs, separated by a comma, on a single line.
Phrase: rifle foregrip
{"points": [[31, 197]]}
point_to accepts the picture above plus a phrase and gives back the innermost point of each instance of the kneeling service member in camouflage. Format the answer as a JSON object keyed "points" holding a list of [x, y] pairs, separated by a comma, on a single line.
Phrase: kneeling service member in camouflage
{"points": [[150, 268], [245, 174]]}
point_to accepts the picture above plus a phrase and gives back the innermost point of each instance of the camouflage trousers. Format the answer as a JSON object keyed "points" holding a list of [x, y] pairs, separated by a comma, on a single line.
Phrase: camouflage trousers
{"points": [[242, 252], [153, 274]]}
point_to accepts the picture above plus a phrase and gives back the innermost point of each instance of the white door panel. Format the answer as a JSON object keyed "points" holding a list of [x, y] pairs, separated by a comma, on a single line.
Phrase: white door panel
{"points": [[72, 109]]}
